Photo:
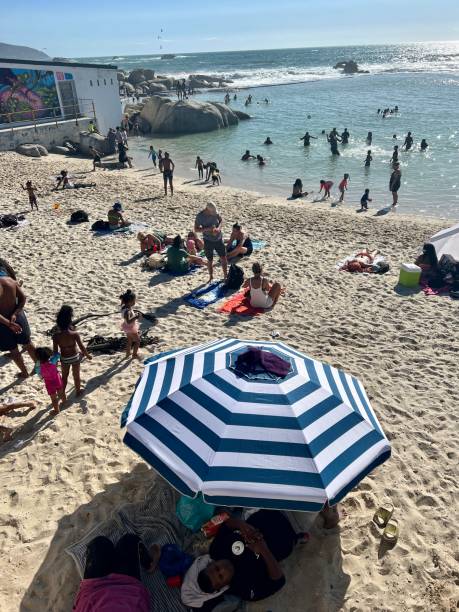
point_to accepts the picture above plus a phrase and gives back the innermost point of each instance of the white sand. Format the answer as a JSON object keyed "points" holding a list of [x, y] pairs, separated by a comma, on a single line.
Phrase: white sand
{"points": [[62, 475]]}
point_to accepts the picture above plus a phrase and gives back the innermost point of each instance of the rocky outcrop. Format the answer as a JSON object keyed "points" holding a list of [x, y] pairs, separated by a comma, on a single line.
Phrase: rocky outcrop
{"points": [[241, 115], [100, 143], [349, 67], [186, 116], [32, 150]]}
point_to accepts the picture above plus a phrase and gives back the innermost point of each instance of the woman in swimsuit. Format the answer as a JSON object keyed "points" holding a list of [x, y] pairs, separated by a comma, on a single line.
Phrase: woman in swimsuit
{"points": [[263, 294], [72, 349], [243, 246]]}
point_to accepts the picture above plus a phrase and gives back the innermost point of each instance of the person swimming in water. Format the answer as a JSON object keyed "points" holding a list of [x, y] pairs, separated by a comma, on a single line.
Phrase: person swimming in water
{"points": [[369, 138], [368, 159], [307, 139], [408, 142], [394, 158], [423, 145], [345, 137], [268, 141], [247, 155]]}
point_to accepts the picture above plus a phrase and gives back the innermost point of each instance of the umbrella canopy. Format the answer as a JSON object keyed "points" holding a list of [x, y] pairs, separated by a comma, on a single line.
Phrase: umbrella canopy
{"points": [[255, 441], [446, 242]]}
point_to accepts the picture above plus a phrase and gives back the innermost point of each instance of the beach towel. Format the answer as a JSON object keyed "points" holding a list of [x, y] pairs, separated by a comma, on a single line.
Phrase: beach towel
{"points": [[206, 295], [155, 522], [239, 304], [130, 229], [379, 259]]}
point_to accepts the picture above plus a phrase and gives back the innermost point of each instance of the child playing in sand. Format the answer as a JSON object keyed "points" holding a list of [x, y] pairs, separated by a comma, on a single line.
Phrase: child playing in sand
{"points": [[31, 193], [47, 368], [326, 186], [216, 178], [5, 408], [130, 324], [69, 343], [365, 199], [343, 187]]}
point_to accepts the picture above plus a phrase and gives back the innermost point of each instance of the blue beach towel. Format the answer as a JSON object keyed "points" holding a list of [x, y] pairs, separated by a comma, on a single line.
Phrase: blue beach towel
{"points": [[193, 268], [207, 295], [258, 244]]}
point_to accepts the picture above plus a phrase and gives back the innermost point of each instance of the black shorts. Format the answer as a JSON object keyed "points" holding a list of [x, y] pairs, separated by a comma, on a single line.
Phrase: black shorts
{"points": [[218, 246], [249, 246], [97, 159], [168, 174], [9, 340]]}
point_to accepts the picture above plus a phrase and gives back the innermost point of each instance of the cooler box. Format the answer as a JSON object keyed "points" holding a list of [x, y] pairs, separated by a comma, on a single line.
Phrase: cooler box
{"points": [[410, 275]]}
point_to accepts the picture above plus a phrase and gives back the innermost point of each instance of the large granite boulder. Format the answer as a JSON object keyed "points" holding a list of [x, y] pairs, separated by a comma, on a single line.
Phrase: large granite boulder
{"points": [[136, 76], [349, 67], [168, 82], [32, 150], [100, 143], [186, 116], [148, 74], [241, 115], [130, 89], [152, 87]]}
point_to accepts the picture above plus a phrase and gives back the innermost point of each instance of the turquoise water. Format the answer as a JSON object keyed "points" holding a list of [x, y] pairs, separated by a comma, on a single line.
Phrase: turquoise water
{"points": [[423, 80]]}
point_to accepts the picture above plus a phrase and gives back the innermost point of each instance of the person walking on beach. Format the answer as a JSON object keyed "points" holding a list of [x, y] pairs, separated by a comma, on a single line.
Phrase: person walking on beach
{"points": [[209, 223], [14, 327], [394, 183], [307, 139], [47, 368], [200, 166], [326, 186], [152, 154], [408, 142], [123, 157], [31, 193], [343, 187], [68, 342], [368, 159], [96, 158], [168, 172]]}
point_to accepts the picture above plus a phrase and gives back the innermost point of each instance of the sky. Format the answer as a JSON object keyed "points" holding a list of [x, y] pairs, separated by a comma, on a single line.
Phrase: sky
{"points": [[87, 28]]}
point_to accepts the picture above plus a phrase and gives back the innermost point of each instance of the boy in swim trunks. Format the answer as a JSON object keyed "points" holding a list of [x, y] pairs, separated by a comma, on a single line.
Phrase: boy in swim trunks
{"points": [[31, 193], [68, 342]]}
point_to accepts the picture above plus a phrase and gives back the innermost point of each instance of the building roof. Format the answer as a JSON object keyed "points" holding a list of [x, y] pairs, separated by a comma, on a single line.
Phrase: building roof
{"points": [[52, 62], [17, 54], [20, 52]]}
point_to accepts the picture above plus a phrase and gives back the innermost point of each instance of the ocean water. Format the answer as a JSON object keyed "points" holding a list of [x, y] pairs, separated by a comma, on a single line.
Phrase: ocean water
{"points": [[422, 79]]}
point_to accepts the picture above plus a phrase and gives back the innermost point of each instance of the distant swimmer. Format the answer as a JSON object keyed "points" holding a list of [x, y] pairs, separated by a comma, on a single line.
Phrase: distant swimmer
{"points": [[307, 139], [408, 142], [261, 161], [396, 108], [333, 139], [326, 186], [345, 137], [368, 159], [424, 144], [394, 158], [379, 111], [235, 97], [266, 101], [309, 116], [369, 138], [247, 155], [268, 141], [394, 136], [394, 183]]}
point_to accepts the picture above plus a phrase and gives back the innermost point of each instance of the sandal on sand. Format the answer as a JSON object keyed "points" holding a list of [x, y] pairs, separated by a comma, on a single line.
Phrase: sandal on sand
{"points": [[383, 515], [390, 533]]}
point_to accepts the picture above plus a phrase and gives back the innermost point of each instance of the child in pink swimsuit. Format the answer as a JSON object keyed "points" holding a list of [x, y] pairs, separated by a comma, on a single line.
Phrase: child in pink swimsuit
{"points": [[130, 324], [50, 374], [343, 186], [326, 186]]}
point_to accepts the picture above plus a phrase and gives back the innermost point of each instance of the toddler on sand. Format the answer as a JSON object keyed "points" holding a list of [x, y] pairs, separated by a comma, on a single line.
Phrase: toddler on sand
{"points": [[130, 324], [47, 368]]}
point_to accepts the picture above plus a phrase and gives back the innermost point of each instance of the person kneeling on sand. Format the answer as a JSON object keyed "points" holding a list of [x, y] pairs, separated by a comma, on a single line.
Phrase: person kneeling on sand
{"points": [[263, 294], [112, 575], [239, 243], [178, 260], [115, 218]]}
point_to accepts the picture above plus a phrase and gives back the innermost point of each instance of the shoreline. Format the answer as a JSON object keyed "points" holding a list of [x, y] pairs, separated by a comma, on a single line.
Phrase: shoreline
{"points": [[63, 475]]}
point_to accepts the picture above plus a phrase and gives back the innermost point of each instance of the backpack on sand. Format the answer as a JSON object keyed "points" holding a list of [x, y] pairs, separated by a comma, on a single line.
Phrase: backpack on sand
{"points": [[79, 216], [235, 277], [100, 226], [8, 220]]}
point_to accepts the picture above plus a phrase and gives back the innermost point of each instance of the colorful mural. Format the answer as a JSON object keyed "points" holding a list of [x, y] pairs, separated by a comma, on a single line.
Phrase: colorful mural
{"points": [[27, 93]]}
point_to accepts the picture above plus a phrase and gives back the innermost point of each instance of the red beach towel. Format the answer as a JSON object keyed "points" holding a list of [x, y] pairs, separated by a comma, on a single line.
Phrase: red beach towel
{"points": [[239, 304]]}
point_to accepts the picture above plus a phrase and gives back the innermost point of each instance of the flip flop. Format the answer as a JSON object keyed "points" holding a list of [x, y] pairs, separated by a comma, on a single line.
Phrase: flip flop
{"points": [[383, 515], [391, 531]]}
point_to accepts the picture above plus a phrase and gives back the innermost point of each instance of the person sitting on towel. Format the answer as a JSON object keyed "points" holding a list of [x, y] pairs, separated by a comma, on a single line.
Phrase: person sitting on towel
{"points": [[263, 294], [115, 218], [239, 243], [178, 260], [243, 560]]}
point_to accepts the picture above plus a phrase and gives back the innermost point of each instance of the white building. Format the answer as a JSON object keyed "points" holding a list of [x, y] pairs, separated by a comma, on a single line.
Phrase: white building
{"points": [[35, 88]]}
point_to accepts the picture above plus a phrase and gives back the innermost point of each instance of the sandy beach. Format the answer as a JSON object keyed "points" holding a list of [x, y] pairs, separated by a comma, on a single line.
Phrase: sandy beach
{"points": [[62, 475]]}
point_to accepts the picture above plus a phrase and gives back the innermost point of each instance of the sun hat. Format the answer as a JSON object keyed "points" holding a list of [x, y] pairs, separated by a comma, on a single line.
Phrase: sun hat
{"points": [[118, 206], [211, 206]]}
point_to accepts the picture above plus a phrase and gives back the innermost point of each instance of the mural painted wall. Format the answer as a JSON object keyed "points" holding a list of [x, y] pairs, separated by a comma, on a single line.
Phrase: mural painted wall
{"points": [[23, 91]]}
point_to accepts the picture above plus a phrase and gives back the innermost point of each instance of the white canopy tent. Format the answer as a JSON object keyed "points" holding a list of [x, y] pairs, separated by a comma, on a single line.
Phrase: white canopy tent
{"points": [[446, 242]]}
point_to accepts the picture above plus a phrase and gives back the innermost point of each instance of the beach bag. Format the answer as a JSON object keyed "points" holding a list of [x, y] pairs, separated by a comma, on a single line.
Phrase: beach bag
{"points": [[381, 267], [100, 226], [235, 277], [193, 513], [8, 220], [173, 561], [79, 216], [154, 262]]}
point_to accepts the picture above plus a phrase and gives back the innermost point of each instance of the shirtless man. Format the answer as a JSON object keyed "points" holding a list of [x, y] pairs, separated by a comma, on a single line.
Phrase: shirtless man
{"points": [[14, 328], [168, 168]]}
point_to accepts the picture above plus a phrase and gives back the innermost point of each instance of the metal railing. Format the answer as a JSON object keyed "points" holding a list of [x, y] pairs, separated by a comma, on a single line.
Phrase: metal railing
{"points": [[52, 114]]}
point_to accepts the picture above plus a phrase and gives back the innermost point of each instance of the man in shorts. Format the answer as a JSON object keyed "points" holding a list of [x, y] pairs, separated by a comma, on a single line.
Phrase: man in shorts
{"points": [[209, 223], [168, 167], [14, 327]]}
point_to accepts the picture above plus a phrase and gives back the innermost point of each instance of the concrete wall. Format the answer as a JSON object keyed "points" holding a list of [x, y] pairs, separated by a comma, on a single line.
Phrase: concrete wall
{"points": [[47, 134], [94, 85]]}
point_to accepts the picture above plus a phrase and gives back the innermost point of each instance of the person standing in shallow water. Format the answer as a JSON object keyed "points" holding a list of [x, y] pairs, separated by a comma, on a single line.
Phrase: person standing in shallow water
{"points": [[307, 139], [408, 142], [394, 183]]}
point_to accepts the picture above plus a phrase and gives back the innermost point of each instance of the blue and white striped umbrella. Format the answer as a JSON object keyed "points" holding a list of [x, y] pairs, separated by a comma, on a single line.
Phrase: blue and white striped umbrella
{"points": [[292, 443]]}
